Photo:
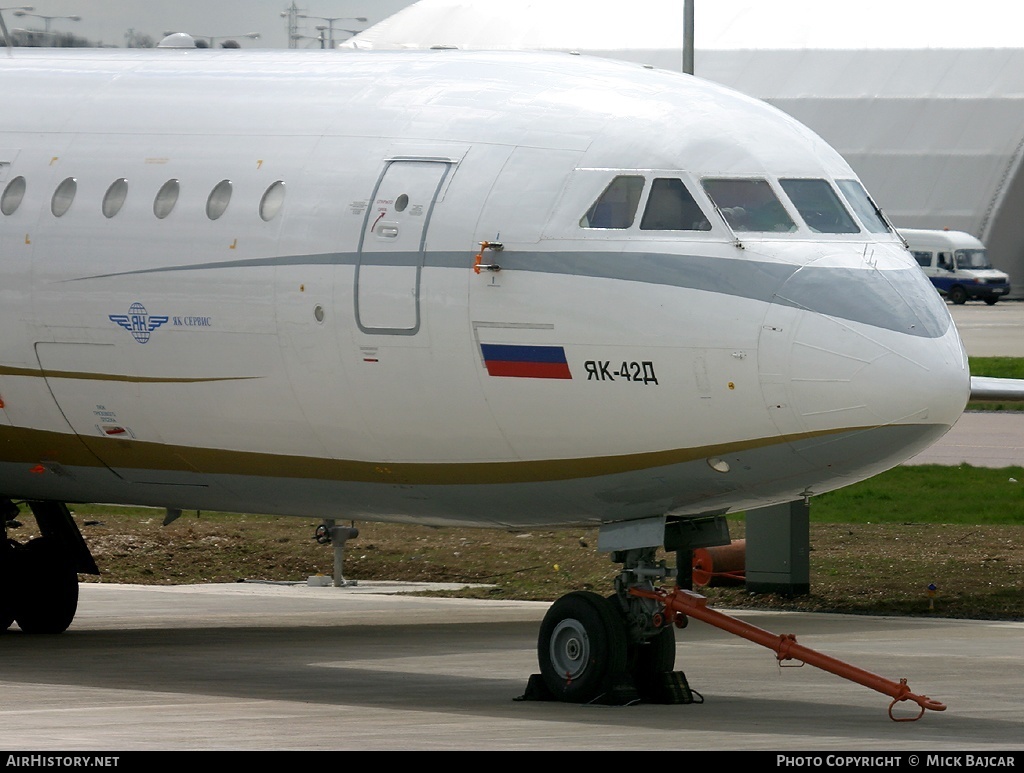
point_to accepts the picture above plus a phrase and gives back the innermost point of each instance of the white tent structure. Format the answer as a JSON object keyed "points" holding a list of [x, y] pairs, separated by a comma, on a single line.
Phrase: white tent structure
{"points": [[924, 99]]}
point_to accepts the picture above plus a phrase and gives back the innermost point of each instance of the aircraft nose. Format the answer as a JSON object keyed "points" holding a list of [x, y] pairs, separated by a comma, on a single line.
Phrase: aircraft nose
{"points": [[861, 364]]}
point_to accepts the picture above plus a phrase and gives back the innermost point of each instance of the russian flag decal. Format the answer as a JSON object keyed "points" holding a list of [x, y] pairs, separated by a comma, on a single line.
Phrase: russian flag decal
{"points": [[525, 361]]}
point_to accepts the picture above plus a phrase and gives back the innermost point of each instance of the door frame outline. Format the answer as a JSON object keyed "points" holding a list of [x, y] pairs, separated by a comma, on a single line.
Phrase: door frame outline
{"points": [[448, 165]]}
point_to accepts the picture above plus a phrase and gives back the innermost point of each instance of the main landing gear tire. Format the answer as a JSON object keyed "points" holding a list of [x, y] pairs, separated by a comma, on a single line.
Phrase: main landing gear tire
{"points": [[958, 295], [47, 588], [581, 647]]}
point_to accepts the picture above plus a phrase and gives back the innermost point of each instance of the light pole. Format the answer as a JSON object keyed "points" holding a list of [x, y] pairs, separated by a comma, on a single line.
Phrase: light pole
{"points": [[330, 23], [688, 37], [3, 26], [297, 37], [291, 13], [46, 19]]}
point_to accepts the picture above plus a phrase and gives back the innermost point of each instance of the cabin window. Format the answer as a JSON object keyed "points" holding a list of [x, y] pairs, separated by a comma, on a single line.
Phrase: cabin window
{"points": [[924, 259], [749, 205], [166, 198], [12, 196], [218, 199], [272, 201], [63, 196], [869, 214], [670, 207], [616, 207], [819, 206], [114, 198]]}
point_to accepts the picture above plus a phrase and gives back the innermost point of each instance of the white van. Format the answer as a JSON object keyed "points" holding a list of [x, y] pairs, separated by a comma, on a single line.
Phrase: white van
{"points": [[957, 264]]}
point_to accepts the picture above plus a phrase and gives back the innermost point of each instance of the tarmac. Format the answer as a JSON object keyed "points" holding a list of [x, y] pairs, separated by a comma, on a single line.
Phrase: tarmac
{"points": [[991, 331], [292, 666]]}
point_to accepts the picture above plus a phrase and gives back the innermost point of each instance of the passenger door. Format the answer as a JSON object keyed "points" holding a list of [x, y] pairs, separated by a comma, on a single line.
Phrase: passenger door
{"points": [[392, 244]]}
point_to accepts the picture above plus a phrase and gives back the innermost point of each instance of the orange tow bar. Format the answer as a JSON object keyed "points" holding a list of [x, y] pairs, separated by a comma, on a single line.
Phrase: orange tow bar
{"points": [[689, 604]]}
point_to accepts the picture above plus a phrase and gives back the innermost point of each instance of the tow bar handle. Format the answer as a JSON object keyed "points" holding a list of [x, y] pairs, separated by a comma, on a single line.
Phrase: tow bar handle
{"points": [[690, 604]]}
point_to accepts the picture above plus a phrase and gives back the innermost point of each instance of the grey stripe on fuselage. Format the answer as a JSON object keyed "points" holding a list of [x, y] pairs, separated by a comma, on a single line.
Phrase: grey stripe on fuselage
{"points": [[865, 295]]}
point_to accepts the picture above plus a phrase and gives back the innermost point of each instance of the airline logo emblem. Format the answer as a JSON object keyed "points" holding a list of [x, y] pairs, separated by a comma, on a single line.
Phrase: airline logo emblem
{"points": [[138, 322], [525, 361]]}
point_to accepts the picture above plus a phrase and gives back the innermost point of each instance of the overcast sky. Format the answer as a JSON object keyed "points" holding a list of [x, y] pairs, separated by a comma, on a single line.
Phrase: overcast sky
{"points": [[720, 23], [107, 21]]}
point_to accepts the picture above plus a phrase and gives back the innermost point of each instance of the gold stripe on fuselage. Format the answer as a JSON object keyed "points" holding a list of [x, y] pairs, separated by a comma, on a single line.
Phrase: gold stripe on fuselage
{"points": [[67, 374], [31, 446]]}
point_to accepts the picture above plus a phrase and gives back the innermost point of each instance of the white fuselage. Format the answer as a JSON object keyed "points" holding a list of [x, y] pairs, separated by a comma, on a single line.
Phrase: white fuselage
{"points": [[335, 353]]}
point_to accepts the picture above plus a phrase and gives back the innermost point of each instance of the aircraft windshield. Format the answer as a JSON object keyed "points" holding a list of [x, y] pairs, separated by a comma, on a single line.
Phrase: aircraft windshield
{"points": [[749, 205], [819, 206], [670, 207], [616, 207], [863, 206], [972, 259]]}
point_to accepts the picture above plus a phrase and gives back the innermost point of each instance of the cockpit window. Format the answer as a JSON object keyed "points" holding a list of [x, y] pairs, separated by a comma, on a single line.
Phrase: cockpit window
{"points": [[749, 205], [819, 206], [863, 206], [670, 207], [616, 207]]}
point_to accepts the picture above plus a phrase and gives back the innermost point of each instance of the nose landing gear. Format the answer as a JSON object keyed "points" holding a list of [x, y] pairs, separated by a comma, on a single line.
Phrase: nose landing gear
{"points": [[616, 650]]}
